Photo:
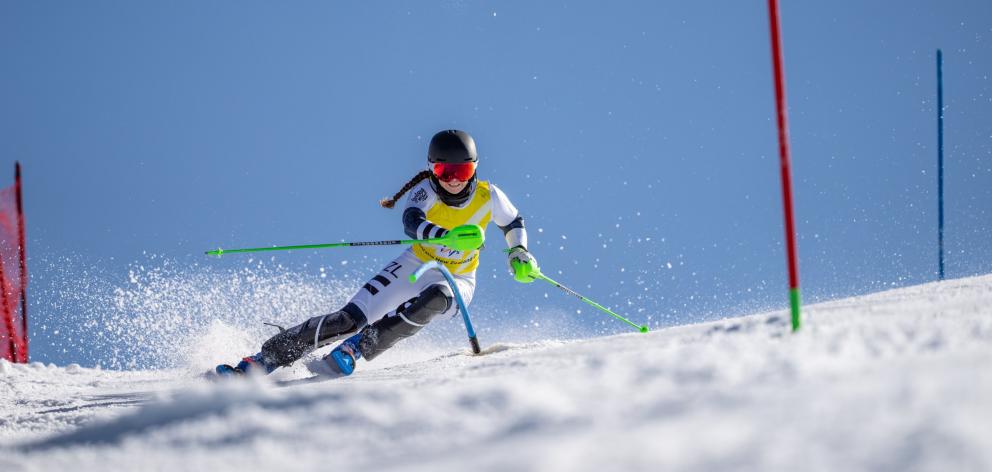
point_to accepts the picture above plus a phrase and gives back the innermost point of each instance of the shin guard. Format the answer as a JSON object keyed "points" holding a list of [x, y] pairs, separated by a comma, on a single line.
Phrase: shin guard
{"points": [[409, 318], [288, 346]]}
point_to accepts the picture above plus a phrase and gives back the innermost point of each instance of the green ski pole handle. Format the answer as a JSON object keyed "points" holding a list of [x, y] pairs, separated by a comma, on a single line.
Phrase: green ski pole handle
{"points": [[464, 238], [524, 272], [461, 238], [538, 275]]}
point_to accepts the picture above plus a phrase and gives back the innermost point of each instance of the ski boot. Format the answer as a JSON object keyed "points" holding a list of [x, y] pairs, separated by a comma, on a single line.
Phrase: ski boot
{"points": [[248, 365], [342, 359]]}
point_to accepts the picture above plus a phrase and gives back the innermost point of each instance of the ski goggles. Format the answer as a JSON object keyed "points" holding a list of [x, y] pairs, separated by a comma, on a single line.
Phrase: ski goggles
{"points": [[446, 172]]}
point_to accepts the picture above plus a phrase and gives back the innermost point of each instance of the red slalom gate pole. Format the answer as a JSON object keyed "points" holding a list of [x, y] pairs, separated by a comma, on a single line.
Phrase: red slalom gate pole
{"points": [[24, 265], [783, 151]]}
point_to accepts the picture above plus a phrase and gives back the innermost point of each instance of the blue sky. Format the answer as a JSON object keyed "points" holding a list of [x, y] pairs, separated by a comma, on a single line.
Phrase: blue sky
{"points": [[637, 138]]}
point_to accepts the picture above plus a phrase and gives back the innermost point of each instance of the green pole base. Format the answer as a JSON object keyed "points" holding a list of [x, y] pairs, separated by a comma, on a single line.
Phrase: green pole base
{"points": [[794, 302]]}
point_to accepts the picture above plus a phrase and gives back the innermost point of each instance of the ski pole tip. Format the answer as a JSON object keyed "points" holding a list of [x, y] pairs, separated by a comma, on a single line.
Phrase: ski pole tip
{"points": [[644, 329]]}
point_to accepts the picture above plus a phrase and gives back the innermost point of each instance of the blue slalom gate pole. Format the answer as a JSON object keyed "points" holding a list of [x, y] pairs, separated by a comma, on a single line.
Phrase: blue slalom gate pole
{"points": [[940, 160], [472, 339]]}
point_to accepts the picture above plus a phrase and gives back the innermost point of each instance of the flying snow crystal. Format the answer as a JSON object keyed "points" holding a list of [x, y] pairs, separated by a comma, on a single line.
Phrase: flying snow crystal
{"points": [[164, 316]]}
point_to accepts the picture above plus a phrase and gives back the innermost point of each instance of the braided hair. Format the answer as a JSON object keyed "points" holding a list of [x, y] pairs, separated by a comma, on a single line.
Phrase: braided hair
{"points": [[391, 202]]}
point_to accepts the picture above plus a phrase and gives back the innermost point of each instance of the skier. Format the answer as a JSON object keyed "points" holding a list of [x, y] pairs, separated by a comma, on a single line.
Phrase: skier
{"points": [[388, 308]]}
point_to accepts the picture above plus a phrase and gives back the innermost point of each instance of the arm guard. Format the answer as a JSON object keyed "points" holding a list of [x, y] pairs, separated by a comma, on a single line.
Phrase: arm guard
{"points": [[515, 233]]}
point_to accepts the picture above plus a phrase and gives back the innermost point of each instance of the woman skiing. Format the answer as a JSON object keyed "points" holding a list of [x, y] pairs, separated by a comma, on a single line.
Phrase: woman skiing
{"points": [[388, 308]]}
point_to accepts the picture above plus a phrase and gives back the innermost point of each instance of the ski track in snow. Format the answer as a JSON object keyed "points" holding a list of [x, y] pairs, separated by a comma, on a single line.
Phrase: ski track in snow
{"points": [[897, 380]]}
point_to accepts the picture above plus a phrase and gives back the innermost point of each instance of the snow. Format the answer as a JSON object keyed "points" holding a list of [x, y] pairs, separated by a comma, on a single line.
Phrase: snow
{"points": [[897, 380]]}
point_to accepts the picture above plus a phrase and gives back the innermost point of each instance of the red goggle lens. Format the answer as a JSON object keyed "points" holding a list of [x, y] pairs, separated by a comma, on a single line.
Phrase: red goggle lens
{"points": [[446, 172]]}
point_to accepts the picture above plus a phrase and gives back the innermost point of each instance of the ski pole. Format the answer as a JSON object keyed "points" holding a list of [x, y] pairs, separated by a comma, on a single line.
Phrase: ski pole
{"points": [[461, 238], [537, 274], [472, 339]]}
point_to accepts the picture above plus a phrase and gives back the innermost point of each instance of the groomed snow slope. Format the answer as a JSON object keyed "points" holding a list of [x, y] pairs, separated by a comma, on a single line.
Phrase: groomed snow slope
{"points": [[899, 380]]}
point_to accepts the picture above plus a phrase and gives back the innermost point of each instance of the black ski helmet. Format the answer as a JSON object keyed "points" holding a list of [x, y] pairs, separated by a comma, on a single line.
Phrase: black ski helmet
{"points": [[452, 146]]}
